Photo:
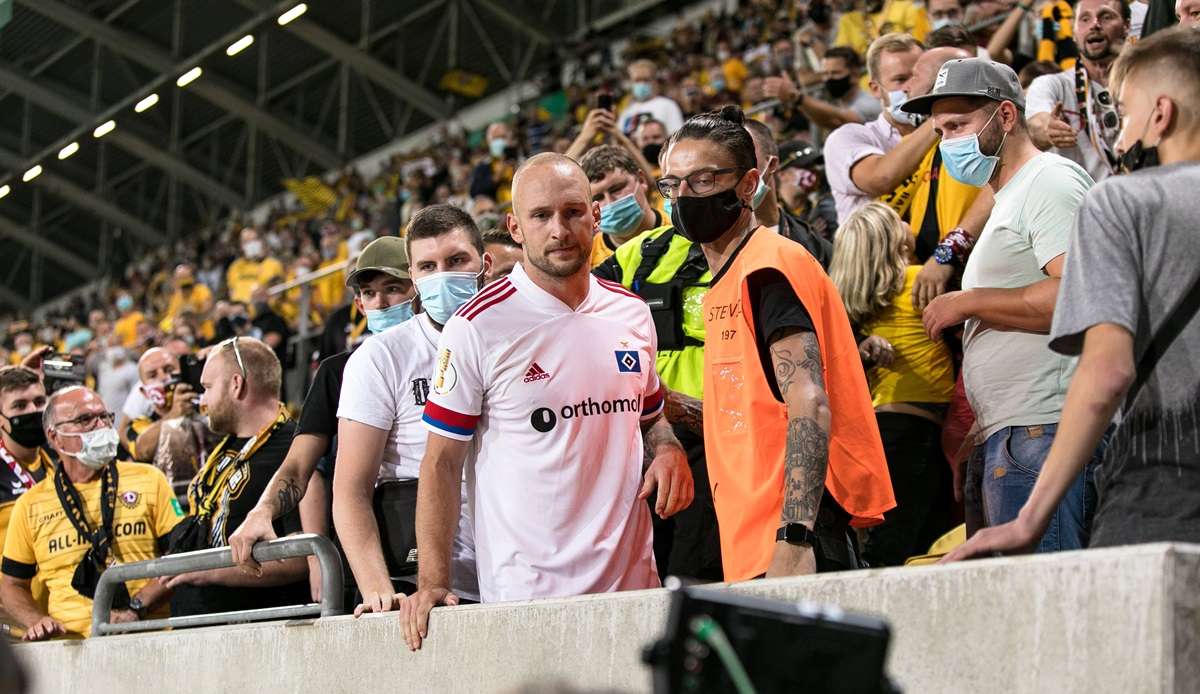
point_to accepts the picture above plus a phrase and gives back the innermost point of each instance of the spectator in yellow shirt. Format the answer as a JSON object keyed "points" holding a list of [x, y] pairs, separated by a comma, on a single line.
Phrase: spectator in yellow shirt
{"points": [[126, 327], [911, 377], [253, 270], [859, 27], [191, 297], [329, 292]]}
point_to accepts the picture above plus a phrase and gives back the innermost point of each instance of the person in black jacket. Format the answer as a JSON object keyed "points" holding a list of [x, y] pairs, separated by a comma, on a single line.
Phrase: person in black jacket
{"points": [[767, 209]]}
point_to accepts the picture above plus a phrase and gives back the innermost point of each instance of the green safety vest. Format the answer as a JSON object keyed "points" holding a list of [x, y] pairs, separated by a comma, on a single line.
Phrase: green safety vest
{"points": [[672, 275]]}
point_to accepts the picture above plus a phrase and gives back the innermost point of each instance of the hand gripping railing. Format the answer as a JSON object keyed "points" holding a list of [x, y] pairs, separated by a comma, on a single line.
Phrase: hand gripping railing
{"points": [[222, 557]]}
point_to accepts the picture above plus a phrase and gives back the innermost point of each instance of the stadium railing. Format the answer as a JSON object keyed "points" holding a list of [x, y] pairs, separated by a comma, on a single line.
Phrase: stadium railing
{"points": [[219, 558], [301, 344]]}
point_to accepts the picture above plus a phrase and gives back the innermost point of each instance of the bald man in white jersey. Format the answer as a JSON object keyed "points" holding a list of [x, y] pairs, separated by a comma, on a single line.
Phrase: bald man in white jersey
{"points": [[546, 382]]}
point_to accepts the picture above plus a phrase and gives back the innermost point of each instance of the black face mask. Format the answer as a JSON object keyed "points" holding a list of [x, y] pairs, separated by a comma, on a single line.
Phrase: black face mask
{"points": [[1139, 157], [838, 87], [819, 13], [651, 152], [26, 429], [703, 220]]}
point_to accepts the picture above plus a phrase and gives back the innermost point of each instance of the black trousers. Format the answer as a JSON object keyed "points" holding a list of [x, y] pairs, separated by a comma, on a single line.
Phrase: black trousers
{"points": [[688, 545], [921, 483]]}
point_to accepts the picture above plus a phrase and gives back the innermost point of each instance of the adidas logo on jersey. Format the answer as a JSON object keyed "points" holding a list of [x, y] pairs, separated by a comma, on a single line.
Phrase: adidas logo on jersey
{"points": [[535, 373]]}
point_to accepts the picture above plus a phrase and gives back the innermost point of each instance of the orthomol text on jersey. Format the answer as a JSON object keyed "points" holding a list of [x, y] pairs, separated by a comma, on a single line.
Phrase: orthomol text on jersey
{"points": [[544, 419]]}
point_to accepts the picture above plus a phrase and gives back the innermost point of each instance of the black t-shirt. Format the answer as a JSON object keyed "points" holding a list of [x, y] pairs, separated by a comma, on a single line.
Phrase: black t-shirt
{"points": [[777, 310], [337, 328], [191, 600], [319, 414]]}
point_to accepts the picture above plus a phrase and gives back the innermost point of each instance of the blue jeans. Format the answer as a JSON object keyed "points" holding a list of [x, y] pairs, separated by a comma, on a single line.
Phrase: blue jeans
{"points": [[1000, 477]]}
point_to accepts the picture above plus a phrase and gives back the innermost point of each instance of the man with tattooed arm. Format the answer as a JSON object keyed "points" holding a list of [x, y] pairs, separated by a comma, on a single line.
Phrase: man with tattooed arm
{"points": [[794, 453]]}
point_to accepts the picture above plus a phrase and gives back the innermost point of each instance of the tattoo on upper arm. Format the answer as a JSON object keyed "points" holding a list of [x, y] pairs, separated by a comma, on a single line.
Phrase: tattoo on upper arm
{"points": [[289, 495], [804, 469], [788, 363]]}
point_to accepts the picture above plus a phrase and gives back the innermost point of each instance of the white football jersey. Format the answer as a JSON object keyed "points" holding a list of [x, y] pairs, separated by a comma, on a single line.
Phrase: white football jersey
{"points": [[553, 400], [385, 385]]}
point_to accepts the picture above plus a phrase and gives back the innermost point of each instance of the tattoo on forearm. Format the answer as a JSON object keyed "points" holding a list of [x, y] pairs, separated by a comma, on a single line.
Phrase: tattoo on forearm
{"points": [[289, 495], [685, 410], [657, 434], [788, 364], [804, 469]]}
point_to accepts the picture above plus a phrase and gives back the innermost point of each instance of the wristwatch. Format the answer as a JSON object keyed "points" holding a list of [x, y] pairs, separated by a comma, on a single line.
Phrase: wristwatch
{"points": [[137, 606], [943, 254], [796, 534]]}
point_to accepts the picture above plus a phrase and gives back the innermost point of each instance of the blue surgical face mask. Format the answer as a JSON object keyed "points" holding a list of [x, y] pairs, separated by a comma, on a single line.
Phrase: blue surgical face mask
{"points": [[380, 319], [896, 99], [943, 22], [497, 147], [759, 193], [667, 210], [965, 162], [124, 303], [621, 216], [443, 293], [641, 90]]}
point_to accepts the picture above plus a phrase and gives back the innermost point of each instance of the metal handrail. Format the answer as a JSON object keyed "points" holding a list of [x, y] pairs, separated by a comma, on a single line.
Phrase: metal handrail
{"points": [[289, 547]]}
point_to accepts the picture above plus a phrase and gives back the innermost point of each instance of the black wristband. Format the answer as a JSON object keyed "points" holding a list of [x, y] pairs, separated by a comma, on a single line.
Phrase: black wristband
{"points": [[796, 534]]}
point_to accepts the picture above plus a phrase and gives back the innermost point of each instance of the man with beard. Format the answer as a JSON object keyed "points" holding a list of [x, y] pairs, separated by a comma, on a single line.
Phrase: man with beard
{"points": [[547, 377], [1072, 113], [241, 398], [1015, 384]]}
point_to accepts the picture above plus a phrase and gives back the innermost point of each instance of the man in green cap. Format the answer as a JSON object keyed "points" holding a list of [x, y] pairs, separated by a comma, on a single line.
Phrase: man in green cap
{"points": [[383, 291]]}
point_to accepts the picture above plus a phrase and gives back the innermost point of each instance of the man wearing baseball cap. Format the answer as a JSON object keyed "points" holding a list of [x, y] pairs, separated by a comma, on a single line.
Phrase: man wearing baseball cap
{"points": [[1015, 384], [383, 291]]}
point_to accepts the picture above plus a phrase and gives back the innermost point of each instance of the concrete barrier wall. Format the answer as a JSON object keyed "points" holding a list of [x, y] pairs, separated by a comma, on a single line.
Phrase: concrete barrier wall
{"points": [[1117, 620]]}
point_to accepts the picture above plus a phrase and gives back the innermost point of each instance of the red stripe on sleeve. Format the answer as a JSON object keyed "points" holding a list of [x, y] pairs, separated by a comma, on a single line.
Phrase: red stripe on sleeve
{"points": [[454, 419]]}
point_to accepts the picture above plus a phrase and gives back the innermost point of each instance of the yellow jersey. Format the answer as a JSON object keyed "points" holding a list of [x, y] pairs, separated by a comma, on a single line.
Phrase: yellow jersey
{"points": [[41, 540], [922, 370], [199, 302], [857, 29], [910, 199], [126, 328], [245, 275]]}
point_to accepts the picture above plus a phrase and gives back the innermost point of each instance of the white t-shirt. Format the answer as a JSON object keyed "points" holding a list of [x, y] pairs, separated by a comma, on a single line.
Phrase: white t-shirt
{"points": [[137, 404], [553, 400], [1011, 376], [661, 108], [1048, 90], [384, 386], [844, 148]]}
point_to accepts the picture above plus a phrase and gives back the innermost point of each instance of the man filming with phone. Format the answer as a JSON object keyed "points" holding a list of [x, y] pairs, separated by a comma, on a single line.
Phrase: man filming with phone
{"points": [[171, 437]]}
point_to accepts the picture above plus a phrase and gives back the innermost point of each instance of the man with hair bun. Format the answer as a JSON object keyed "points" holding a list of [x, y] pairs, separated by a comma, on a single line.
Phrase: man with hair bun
{"points": [[793, 462]]}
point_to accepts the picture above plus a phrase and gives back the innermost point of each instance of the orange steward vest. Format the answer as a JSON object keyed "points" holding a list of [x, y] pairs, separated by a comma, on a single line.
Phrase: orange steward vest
{"points": [[745, 425]]}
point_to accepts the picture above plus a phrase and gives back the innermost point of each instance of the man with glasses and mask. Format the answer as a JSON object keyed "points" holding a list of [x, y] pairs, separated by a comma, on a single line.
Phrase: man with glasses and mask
{"points": [[1014, 383], [92, 512], [1128, 306], [386, 388], [241, 398], [1072, 112], [383, 292], [546, 379], [794, 463]]}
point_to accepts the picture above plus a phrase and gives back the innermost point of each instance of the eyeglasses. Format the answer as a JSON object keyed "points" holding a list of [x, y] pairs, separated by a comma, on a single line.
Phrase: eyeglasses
{"points": [[90, 420], [700, 182], [237, 353]]}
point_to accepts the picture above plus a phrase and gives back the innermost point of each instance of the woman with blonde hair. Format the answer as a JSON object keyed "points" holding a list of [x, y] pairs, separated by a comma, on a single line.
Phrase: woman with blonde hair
{"points": [[911, 377]]}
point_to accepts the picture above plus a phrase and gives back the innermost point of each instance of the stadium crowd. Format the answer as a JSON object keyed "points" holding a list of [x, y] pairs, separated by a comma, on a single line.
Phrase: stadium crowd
{"points": [[804, 287]]}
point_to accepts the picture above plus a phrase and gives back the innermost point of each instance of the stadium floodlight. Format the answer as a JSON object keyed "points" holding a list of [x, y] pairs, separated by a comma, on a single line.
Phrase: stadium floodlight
{"points": [[104, 128], [188, 77], [68, 150], [292, 13], [5, 190], [239, 45], [146, 103], [32, 173]]}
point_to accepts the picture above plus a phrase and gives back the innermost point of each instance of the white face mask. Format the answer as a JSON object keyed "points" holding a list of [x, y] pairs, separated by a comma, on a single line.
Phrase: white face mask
{"points": [[99, 447]]}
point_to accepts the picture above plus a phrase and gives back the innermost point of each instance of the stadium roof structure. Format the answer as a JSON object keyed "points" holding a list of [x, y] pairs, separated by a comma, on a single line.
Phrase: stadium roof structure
{"points": [[111, 142]]}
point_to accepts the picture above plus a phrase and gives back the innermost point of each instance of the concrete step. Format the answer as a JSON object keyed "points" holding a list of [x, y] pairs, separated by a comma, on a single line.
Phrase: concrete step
{"points": [[1114, 620]]}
